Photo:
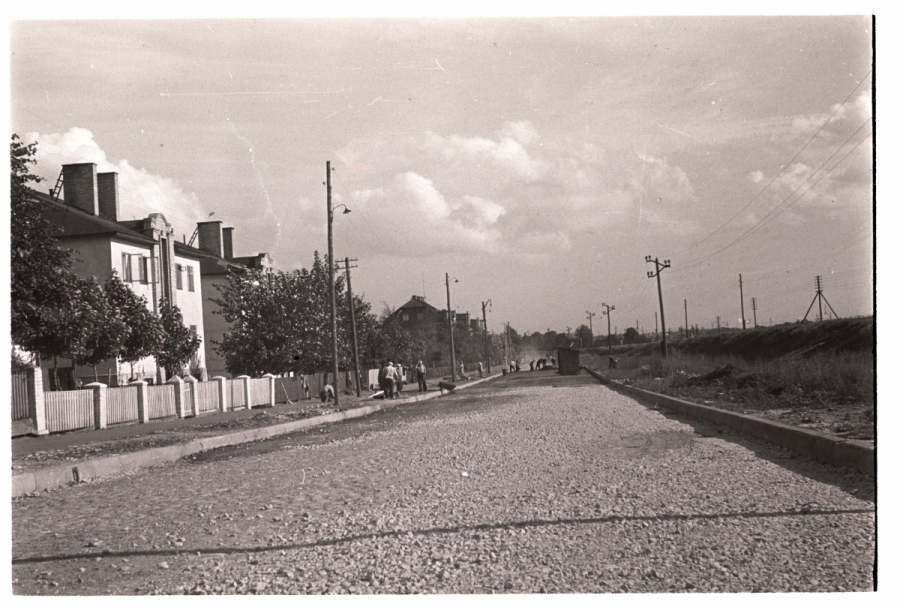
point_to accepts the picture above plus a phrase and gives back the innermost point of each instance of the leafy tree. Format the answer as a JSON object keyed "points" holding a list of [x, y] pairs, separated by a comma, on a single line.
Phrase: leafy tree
{"points": [[178, 344], [632, 336], [41, 283], [583, 336], [143, 328], [97, 329]]}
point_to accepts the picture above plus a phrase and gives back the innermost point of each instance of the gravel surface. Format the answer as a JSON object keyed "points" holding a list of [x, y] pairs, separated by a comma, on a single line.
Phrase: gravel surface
{"points": [[531, 484]]}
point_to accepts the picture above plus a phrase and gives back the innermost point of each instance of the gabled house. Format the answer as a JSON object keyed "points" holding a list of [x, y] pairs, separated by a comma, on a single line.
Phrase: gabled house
{"points": [[216, 243], [143, 252]]}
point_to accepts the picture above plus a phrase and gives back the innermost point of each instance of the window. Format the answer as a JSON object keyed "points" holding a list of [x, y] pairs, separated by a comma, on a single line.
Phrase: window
{"points": [[142, 269], [178, 282], [406, 317], [190, 278], [126, 267]]}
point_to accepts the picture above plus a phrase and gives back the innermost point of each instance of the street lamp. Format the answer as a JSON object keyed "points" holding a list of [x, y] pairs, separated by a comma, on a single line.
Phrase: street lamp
{"points": [[609, 308], [331, 296], [487, 352], [450, 327], [590, 316]]}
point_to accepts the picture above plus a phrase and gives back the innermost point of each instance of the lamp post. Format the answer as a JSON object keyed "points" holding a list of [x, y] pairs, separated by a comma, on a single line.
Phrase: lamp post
{"points": [[662, 316], [609, 308], [450, 328], [331, 296], [590, 316], [487, 351]]}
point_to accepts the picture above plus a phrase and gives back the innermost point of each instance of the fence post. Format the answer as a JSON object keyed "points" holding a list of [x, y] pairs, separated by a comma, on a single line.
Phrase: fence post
{"points": [[99, 404], [245, 385], [36, 409], [271, 379], [192, 384], [143, 406], [223, 407], [179, 395]]}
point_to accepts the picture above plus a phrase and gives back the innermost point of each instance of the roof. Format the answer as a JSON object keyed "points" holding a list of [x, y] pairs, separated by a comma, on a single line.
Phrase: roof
{"points": [[73, 222], [415, 303]]}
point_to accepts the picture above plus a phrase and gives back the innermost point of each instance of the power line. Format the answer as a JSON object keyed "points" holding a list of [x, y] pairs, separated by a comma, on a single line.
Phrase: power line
{"points": [[783, 167], [762, 222]]}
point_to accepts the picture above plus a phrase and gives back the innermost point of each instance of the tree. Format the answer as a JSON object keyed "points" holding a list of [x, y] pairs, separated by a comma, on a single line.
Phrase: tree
{"points": [[41, 283], [97, 329], [583, 336], [632, 336], [143, 328], [178, 344]]}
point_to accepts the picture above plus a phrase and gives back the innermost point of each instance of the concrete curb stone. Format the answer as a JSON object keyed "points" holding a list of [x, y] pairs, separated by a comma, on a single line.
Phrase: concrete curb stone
{"points": [[62, 475], [808, 443]]}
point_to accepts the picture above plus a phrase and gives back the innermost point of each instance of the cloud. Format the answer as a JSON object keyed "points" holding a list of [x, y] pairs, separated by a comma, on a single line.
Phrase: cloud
{"points": [[412, 217], [507, 152], [140, 192]]}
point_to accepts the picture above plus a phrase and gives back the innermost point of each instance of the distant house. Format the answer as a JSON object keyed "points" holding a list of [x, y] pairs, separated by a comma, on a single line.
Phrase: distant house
{"points": [[143, 252], [417, 316]]}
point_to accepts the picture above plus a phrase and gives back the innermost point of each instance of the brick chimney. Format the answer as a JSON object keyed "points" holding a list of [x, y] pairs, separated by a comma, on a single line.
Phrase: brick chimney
{"points": [[108, 195], [209, 237], [227, 246], [80, 186]]}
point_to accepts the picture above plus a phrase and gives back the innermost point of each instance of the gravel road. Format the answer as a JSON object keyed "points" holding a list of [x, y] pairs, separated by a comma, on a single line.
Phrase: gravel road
{"points": [[534, 483]]}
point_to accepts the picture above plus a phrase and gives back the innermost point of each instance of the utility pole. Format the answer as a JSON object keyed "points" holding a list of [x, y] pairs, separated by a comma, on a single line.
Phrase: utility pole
{"points": [[347, 268], [753, 306], [487, 351], [662, 316], [820, 296], [508, 345], [718, 324], [331, 300], [656, 322], [741, 284], [450, 328], [609, 308], [590, 316], [687, 332]]}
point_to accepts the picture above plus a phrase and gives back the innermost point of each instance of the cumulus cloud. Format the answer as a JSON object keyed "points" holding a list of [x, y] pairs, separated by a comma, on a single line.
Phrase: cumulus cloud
{"points": [[508, 151], [140, 192], [412, 217]]}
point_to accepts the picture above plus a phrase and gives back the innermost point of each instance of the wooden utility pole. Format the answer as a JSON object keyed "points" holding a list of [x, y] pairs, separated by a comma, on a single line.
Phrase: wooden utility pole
{"points": [[450, 328], [820, 295], [687, 332], [347, 268], [609, 308], [662, 315], [487, 351], [331, 300], [741, 284], [590, 316], [753, 306]]}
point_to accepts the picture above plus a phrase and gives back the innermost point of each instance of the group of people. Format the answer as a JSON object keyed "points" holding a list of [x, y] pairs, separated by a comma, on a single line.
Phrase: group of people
{"points": [[391, 378], [462, 371]]}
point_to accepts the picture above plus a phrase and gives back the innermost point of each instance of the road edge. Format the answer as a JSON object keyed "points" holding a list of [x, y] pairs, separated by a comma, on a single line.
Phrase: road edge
{"points": [[814, 445], [62, 475]]}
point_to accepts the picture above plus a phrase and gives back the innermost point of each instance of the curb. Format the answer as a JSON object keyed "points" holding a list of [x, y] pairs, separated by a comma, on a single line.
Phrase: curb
{"points": [[62, 475], [814, 445]]}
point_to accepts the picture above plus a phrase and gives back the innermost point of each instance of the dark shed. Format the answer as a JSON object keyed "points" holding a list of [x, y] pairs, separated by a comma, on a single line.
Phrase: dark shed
{"points": [[568, 361]]}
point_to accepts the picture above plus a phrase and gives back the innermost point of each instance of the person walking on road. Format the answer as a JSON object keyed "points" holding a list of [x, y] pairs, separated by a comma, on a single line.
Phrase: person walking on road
{"points": [[480, 371], [401, 376], [420, 376]]}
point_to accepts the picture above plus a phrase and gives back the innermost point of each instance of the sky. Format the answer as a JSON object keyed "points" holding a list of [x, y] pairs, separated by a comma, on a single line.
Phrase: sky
{"points": [[536, 161]]}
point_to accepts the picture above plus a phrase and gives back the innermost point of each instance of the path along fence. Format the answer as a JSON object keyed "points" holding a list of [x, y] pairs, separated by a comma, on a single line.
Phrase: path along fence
{"points": [[98, 406]]}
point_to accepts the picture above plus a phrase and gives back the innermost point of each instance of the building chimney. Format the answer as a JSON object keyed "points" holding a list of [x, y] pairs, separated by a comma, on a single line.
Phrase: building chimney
{"points": [[80, 184], [227, 246], [209, 237], [108, 195]]}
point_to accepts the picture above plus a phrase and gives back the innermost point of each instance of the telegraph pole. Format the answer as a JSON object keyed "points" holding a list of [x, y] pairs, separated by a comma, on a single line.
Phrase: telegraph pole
{"points": [[718, 324], [662, 316], [450, 328], [590, 316], [487, 351], [741, 284], [656, 322], [753, 306], [687, 333], [820, 296], [609, 308], [347, 268], [331, 300]]}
